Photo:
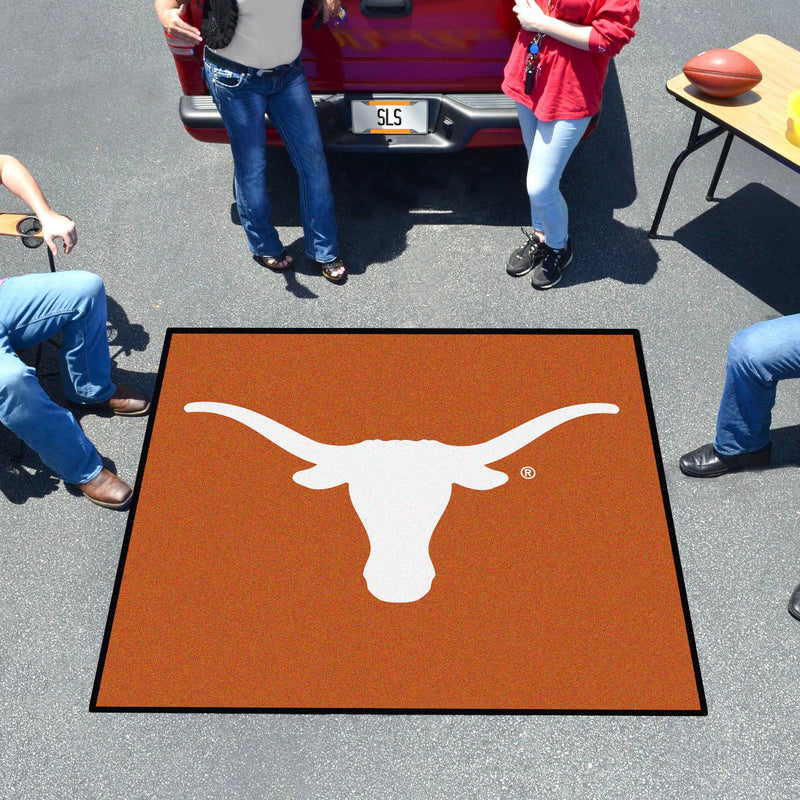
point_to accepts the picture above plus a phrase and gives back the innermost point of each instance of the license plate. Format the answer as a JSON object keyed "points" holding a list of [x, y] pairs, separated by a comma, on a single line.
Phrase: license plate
{"points": [[390, 116]]}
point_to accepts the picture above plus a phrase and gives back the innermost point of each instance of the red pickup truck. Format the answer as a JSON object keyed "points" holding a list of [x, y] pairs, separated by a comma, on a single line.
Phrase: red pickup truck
{"points": [[406, 75]]}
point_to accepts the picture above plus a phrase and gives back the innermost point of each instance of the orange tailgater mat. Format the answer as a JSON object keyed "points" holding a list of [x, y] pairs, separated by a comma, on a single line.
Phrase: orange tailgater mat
{"points": [[394, 521]]}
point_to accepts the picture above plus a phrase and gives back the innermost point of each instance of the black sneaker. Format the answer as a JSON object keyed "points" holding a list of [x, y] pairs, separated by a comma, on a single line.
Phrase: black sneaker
{"points": [[551, 269], [525, 258]]}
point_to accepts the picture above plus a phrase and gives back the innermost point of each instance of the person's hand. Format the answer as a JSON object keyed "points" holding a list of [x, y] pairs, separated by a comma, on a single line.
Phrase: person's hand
{"points": [[57, 226], [530, 16], [329, 8], [177, 27]]}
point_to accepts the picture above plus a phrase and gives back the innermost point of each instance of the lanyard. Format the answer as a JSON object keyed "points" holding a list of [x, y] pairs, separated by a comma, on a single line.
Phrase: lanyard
{"points": [[533, 55]]}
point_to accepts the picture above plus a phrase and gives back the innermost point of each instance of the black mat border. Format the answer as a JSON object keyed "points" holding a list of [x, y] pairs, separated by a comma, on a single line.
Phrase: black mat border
{"points": [[632, 332]]}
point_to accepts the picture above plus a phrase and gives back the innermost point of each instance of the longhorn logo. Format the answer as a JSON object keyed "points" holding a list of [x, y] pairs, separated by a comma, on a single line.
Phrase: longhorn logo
{"points": [[400, 489]]}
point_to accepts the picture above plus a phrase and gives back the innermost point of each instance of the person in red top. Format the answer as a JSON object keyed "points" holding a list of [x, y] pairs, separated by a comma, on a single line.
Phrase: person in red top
{"points": [[555, 73]]}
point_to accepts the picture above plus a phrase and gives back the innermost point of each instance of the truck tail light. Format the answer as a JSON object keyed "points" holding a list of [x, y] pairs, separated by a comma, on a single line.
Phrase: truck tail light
{"points": [[180, 50], [176, 48]]}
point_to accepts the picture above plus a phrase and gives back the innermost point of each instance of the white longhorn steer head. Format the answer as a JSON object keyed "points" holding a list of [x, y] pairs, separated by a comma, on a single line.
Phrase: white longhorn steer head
{"points": [[400, 489]]}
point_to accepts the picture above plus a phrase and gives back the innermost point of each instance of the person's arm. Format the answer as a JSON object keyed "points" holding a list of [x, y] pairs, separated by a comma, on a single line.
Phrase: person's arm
{"points": [[169, 15], [608, 33], [532, 18], [20, 182]]}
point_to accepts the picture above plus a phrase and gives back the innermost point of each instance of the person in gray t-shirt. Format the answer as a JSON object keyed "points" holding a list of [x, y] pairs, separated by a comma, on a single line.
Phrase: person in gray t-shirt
{"points": [[252, 68]]}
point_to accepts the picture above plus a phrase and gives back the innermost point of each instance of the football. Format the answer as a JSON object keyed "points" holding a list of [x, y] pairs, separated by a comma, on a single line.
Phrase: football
{"points": [[722, 73]]}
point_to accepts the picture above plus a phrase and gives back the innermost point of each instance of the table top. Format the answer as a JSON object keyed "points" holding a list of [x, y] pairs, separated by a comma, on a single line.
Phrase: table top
{"points": [[760, 115], [9, 222]]}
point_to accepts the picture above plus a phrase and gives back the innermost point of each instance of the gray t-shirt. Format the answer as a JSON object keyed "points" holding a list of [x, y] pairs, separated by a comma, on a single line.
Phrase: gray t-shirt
{"points": [[267, 33]]}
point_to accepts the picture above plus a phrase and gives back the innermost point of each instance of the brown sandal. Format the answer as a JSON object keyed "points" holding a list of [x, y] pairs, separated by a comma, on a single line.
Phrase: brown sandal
{"points": [[331, 267], [274, 262]]}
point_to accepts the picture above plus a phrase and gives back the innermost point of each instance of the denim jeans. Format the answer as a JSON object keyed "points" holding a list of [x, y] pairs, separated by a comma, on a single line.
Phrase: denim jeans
{"points": [[549, 146], [243, 97], [32, 309], [758, 357]]}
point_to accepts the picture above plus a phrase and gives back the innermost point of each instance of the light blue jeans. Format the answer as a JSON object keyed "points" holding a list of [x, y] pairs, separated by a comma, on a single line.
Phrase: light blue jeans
{"points": [[549, 146], [243, 97], [758, 357], [34, 308]]}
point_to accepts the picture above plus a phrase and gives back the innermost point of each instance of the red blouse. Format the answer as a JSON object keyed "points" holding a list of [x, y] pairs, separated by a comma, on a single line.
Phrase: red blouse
{"points": [[569, 81]]}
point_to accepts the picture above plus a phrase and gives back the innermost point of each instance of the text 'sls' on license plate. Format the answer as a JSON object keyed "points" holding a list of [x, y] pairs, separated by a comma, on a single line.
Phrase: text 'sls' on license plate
{"points": [[390, 116]]}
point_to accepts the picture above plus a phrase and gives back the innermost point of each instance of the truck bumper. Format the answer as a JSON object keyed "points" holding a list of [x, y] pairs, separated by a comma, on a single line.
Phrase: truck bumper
{"points": [[455, 121]]}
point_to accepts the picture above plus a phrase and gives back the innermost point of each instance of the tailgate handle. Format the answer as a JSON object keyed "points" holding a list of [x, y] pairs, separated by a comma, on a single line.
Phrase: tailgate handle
{"points": [[386, 8]]}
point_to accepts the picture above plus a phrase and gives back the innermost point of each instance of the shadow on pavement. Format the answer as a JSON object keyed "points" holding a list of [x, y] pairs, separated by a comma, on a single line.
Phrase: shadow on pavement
{"points": [[380, 197], [22, 481], [785, 446], [598, 180], [127, 336], [764, 263]]}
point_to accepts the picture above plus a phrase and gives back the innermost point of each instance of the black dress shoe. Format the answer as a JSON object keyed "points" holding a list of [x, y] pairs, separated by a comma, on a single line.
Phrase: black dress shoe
{"points": [[794, 602], [706, 462]]}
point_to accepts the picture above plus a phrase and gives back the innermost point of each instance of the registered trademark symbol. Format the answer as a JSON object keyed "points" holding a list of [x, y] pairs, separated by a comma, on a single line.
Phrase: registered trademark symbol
{"points": [[528, 473]]}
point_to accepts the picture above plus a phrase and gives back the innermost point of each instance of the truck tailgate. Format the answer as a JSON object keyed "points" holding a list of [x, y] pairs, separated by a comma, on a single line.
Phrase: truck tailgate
{"points": [[439, 46]]}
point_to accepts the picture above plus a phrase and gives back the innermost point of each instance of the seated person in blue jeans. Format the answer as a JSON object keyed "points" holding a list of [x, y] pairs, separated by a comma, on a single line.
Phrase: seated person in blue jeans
{"points": [[33, 308], [758, 357]]}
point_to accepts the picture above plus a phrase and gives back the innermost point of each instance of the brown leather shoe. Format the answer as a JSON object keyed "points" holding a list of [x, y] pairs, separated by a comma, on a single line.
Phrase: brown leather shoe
{"points": [[107, 490], [127, 402]]}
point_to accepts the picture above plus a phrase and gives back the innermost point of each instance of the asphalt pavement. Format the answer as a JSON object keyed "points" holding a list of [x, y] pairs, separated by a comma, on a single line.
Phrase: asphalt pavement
{"points": [[88, 101]]}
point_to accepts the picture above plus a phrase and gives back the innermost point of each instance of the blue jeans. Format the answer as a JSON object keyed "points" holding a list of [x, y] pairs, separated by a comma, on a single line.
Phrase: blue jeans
{"points": [[32, 309], [243, 97], [758, 357], [549, 146]]}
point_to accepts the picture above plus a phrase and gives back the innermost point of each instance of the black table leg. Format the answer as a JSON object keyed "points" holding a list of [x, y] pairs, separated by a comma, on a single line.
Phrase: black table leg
{"points": [[720, 164], [696, 141]]}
